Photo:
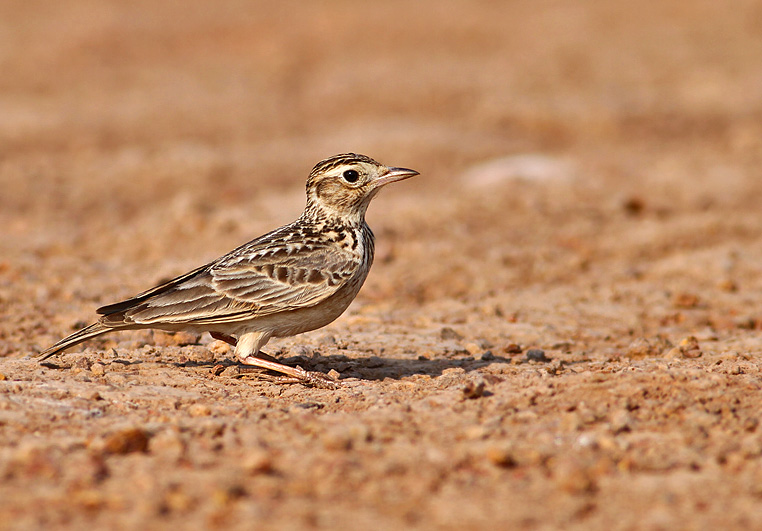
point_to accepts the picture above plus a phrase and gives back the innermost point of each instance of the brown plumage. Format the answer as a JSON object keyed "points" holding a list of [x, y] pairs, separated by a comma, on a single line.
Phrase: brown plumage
{"points": [[294, 279]]}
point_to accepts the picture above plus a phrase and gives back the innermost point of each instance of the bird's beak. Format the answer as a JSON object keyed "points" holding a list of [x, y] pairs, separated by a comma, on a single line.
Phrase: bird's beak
{"points": [[394, 174]]}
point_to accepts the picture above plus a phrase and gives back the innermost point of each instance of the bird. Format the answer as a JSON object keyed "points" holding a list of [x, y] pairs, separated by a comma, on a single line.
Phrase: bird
{"points": [[294, 279]]}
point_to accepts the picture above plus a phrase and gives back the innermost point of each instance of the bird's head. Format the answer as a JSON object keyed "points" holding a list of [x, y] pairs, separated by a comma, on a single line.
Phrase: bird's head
{"points": [[343, 185]]}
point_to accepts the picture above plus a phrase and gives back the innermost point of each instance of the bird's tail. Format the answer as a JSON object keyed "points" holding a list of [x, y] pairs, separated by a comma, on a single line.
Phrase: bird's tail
{"points": [[86, 333]]}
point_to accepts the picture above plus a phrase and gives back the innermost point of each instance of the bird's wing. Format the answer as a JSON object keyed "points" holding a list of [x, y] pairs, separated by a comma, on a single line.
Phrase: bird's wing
{"points": [[265, 276]]}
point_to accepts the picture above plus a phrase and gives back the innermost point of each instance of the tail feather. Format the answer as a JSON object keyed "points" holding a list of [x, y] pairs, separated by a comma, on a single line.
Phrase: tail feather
{"points": [[86, 333]]}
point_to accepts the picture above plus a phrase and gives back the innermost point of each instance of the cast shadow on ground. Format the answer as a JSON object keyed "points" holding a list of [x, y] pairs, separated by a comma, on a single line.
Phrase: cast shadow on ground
{"points": [[369, 367]]}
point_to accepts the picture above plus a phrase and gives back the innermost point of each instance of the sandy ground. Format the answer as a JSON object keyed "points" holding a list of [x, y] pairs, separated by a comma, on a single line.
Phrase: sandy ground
{"points": [[563, 324]]}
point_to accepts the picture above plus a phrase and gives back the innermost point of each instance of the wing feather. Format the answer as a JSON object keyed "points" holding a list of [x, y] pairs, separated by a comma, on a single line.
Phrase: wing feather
{"points": [[265, 276]]}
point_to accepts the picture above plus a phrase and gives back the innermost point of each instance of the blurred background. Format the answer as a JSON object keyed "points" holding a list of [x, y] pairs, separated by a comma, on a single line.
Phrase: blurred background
{"points": [[142, 138]]}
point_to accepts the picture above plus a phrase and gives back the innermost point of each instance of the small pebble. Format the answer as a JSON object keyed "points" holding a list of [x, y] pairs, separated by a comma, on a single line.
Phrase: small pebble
{"points": [[126, 442], [536, 354], [501, 457], [337, 439], [98, 369], [199, 410], [512, 348], [574, 477], [310, 405], [169, 443], [488, 356], [633, 205], [621, 421], [258, 462], [473, 348], [473, 389], [231, 371], [200, 355], [728, 285], [81, 363], [474, 433], [448, 334], [686, 300]]}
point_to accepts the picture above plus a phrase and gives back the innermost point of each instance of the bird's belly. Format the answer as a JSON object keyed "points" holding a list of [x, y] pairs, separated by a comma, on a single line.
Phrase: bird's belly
{"points": [[292, 322], [306, 319]]}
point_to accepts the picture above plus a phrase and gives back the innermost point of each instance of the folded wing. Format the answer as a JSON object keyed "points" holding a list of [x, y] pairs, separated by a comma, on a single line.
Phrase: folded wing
{"points": [[263, 277]]}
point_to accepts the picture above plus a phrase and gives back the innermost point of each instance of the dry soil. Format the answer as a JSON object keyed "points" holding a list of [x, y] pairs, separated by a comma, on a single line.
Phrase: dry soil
{"points": [[563, 327]]}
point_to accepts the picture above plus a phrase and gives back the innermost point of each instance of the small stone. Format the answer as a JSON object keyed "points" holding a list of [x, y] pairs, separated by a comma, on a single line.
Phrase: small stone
{"points": [[573, 477], [749, 323], [219, 348], [126, 442], [258, 462], [555, 367], [689, 343], [229, 494], [168, 443], [473, 348], [621, 421], [3, 377], [474, 433], [310, 405], [571, 421], [98, 369], [488, 356], [633, 205], [687, 348], [501, 457], [81, 363], [536, 354], [231, 371], [512, 348], [199, 354], [175, 500], [88, 499], [474, 389], [448, 334], [641, 348], [199, 410], [728, 285], [337, 439], [686, 300]]}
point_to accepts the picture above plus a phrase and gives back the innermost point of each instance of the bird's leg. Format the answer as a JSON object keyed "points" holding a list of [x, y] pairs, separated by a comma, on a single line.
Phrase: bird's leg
{"points": [[230, 340], [247, 352]]}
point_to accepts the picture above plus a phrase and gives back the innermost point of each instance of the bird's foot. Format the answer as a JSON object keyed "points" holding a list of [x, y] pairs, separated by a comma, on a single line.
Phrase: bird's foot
{"points": [[291, 374]]}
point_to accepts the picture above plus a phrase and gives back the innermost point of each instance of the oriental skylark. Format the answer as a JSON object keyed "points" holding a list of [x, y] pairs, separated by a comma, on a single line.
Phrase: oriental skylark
{"points": [[294, 279]]}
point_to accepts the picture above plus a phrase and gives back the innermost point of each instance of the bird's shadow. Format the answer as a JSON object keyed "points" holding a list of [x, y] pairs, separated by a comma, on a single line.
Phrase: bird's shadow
{"points": [[371, 368], [367, 367]]}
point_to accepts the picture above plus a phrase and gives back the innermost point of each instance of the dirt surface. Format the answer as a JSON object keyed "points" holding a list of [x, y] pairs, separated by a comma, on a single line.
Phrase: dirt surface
{"points": [[563, 326]]}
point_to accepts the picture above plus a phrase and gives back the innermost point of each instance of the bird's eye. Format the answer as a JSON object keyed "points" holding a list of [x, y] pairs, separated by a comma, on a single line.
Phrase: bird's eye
{"points": [[351, 176]]}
